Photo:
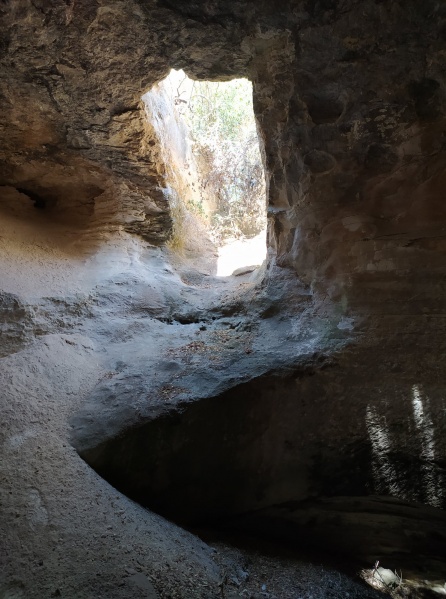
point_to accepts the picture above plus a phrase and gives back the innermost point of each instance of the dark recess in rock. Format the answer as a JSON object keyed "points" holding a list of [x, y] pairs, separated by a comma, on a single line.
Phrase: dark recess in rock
{"points": [[39, 202], [243, 456], [324, 107], [428, 98]]}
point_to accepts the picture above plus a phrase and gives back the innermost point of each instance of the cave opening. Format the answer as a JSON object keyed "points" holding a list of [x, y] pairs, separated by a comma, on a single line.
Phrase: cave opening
{"points": [[214, 169]]}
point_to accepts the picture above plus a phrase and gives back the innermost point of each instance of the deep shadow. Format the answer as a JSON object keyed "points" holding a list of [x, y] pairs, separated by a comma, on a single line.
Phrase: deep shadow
{"points": [[270, 457]]}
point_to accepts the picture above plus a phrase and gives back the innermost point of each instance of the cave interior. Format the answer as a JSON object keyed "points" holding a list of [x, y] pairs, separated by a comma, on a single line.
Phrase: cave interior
{"points": [[148, 405]]}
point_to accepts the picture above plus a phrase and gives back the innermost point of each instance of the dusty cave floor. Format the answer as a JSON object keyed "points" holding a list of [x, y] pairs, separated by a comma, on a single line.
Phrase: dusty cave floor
{"points": [[88, 311]]}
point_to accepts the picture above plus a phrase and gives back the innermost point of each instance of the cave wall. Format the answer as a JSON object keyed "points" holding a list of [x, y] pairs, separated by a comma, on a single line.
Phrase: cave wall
{"points": [[349, 96], [356, 156], [75, 136], [350, 101], [278, 456], [282, 439]]}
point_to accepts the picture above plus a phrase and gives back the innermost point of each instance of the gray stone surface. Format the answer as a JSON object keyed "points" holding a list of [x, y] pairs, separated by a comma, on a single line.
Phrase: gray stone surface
{"points": [[346, 321]]}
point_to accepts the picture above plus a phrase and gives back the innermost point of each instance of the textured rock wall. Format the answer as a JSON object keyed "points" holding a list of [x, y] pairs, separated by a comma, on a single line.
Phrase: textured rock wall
{"points": [[74, 137], [73, 75], [350, 101], [354, 121], [350, 98]]}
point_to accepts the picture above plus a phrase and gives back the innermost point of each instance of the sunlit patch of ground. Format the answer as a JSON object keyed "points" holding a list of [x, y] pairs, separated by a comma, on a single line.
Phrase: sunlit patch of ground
{"points": [[241, 252], [397, 587]]}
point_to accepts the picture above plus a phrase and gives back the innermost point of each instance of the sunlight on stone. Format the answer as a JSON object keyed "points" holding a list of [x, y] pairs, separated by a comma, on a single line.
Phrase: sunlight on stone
{"points": [[241, 253], [214, 168], [384, 472], [431, 482]]}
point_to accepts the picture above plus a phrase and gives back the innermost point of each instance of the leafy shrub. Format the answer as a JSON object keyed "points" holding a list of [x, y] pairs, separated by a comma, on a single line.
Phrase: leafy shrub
{"points": [[225, 144]]}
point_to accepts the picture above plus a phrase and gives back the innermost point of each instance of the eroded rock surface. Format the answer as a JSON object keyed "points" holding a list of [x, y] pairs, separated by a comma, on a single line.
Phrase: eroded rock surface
{"points": [[349, 96], [350, 101]]}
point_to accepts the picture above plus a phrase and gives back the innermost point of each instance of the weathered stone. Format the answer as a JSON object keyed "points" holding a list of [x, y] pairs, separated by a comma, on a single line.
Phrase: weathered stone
{"points": [[322, 87], [142, 582], [15, 319], [324, 107], [244, 270], [349, 97], [319, 162]]}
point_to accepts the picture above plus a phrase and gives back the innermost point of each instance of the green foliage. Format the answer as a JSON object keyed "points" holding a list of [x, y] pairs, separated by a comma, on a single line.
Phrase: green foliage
{"points": [[221, 110], [197, 208], [221, 122]]}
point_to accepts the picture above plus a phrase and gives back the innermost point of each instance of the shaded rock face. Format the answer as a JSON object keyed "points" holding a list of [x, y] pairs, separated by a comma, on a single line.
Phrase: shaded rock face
{"points": [[352, 203], [283, 438], [313, 457], [350, 99]]}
